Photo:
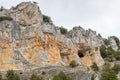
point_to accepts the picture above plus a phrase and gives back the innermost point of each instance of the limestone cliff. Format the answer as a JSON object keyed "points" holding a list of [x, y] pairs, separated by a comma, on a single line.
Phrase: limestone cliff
{"points": [[28, 41]]}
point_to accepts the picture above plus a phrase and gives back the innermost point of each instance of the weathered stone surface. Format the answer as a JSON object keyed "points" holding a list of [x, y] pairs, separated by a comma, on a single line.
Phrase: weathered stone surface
{"points": [[51, 29], [26, 13], [29, 44], [93, 39], [118, 76], [27, 40], [87, 42], [75, 73], [113, 43], [79, 35], [97, 58]]}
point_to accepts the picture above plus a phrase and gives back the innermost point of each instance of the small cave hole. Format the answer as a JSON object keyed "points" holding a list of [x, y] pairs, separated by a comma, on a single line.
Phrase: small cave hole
{"points": [[21, 73], [43, 73], [80, 54]]}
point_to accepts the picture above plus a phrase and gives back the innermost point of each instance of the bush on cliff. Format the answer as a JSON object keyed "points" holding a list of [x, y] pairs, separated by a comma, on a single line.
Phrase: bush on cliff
{"points": [[11, 75], [109, 53], [95, 67], [103, 51], [116, 68], [35, 77], [117, 55], [63, 30], [108, 73], [46, 19], [106, 41], [2, 18], [61, 76], [73, 64]]}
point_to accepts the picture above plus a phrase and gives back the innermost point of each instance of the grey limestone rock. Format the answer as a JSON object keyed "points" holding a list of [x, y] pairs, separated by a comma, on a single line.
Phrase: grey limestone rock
{"points": [[113, 43]]}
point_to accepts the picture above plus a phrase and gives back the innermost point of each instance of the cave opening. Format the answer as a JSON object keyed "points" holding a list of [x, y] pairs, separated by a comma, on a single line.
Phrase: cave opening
{"points": [[80, 54]]}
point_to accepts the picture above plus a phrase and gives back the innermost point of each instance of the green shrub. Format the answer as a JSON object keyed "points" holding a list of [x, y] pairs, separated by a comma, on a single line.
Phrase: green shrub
{"points": [[61, 76], [106, 52], [116, 68], [73, 64], [117, 55], [63, 30], [11, 75], [99, 35], [46, 19], [35, 77], [103, 51], [106, 67], [109, 53], [2, 18], [109, 75], [106, 42], [95, 67]]}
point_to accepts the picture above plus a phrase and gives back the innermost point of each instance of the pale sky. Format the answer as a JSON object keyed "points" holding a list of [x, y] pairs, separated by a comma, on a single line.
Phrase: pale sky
{"points": [[102, 16]]}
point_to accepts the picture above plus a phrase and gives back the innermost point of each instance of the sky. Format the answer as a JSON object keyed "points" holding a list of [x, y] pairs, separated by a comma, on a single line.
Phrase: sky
{"points": [[103, 16]]}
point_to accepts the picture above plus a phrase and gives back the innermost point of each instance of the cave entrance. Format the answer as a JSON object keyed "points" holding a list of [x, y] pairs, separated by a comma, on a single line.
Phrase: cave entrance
{"points": [[80, 54]]}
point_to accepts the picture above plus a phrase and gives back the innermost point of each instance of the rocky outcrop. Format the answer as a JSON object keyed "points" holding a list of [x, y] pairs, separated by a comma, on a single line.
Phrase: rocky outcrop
{"points": [[113, 43], [26, 14], [79, 35], [48, 72], [28, 41], [88, 42]]}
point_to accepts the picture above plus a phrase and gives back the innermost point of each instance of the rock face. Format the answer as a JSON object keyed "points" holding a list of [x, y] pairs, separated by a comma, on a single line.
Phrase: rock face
{"points": [[28, 41], [79, 35], [113, 43], [26, 14], [88, 43]]}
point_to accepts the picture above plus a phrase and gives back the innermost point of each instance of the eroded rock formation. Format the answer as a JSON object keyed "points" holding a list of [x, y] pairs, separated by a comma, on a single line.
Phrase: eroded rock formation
{"points": [[28, 41]]}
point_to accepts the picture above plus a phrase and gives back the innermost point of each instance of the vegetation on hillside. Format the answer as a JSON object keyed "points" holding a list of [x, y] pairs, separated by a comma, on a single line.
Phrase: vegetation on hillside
{"points": [[116, 68], [95, 67], [109, 73], [63, 30], [73, 64], [35, 77], [61, 76], [109, 54], [11, 75], [46, 19]]}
